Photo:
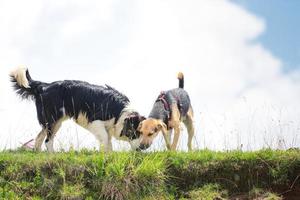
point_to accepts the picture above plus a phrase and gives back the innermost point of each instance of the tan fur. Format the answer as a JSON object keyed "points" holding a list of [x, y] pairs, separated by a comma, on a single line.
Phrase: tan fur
{"points": [[189, 123], [54, 130], [39, 139], [151, 127], [82, 120], [180, 75], [175, 124], [57, 125], [41, 136], [20, 75]]}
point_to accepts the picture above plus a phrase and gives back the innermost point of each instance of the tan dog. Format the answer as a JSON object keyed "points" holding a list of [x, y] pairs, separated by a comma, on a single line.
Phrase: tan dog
{"points": [[170, 109]]}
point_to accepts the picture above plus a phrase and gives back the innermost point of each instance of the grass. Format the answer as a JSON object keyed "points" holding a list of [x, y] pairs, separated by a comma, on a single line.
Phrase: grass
{"points": [[265, 174]]}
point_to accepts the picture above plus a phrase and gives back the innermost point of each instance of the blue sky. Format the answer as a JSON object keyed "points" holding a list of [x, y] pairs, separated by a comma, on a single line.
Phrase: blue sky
{"points": [[282, 32]]}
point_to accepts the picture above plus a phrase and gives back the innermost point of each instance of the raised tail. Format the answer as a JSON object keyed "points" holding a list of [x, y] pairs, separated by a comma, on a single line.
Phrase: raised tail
{"points": [[22, 82], [181, 80]]}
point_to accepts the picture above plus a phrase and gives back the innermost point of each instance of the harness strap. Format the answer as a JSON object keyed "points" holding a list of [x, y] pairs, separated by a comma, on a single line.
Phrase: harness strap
{"points": [[162, 98]]}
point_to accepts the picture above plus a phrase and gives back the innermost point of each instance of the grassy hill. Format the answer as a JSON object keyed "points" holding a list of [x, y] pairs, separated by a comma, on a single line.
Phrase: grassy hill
{"points": [[265, 174]]}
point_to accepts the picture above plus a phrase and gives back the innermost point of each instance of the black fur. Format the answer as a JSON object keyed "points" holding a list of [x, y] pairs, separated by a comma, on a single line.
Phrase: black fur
{"points": [[70, 97], [25, 93], [131, 124], [181, 82], [175, 96], [159, 111]]}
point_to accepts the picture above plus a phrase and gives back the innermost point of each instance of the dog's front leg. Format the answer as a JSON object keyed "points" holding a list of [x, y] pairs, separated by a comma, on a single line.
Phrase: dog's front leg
{"points": [[105, 146], [97, 128], [167, 138], [175, 123], [176, 138], [105, 141], [109, 144]]}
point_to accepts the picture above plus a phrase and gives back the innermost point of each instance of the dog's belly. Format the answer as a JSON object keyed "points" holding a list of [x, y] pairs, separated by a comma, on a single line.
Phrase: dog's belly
{"points": [[106, 127]]}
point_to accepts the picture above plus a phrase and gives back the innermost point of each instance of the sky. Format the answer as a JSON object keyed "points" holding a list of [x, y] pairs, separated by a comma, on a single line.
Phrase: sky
{"points": [[282, 22], [241, 73]]}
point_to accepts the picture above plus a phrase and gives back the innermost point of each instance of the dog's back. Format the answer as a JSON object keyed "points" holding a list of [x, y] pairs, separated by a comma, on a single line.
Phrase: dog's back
{"points": [[69, 98], [179, 96]]}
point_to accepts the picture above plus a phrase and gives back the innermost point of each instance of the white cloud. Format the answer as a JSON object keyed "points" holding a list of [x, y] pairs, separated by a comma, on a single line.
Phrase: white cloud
{"points": [[238, 90]]}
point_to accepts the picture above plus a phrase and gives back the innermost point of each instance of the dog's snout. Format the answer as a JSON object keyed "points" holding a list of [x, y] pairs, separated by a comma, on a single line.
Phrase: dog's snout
{"points": [[144, 146]]}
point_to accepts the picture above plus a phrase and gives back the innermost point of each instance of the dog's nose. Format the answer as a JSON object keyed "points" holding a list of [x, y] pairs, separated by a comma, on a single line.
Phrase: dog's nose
{"points": [[144, 146]]}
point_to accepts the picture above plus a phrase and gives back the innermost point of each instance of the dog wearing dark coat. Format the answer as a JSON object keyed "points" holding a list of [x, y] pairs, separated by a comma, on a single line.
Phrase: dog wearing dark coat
{"points": [[170, 109], [102, 110]]}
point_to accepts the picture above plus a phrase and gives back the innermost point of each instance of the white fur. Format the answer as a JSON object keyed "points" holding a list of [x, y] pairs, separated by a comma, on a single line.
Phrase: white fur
{"points": [[20, 75], [49, 145], [98, 129], [104, 130], [63, 110]]}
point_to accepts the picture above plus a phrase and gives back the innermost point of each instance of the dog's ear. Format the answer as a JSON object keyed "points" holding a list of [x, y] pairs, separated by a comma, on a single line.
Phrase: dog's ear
{"points": [[140, 120], [131, 124], [125, 127], [136, 120], [161, 126]]}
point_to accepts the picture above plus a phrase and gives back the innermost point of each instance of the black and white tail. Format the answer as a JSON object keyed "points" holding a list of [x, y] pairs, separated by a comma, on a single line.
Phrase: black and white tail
{"points": [[22, 83], [181, 80]]}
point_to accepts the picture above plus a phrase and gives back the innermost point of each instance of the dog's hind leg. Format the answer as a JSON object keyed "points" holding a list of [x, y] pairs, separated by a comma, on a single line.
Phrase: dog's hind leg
{"points": [[51, 134], [39, 139], [189, 124]]}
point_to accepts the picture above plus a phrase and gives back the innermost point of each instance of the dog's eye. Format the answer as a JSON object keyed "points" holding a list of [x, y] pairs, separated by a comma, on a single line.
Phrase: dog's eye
{"points": [[150, 134]]}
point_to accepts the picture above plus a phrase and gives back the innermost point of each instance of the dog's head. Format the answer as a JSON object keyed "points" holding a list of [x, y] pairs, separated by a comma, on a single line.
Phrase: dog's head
{"points": [[149, 129], [130, 127]]}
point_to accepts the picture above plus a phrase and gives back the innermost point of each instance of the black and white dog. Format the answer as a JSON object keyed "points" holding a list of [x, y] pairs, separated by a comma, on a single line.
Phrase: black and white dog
{"points": [[101, 110]]}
